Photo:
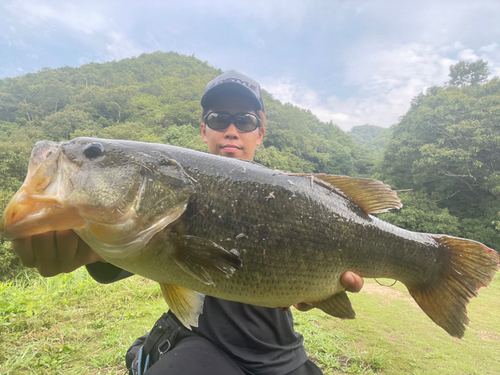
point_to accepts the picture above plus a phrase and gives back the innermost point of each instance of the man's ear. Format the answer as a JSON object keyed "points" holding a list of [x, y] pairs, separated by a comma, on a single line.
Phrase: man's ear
{"points": [[204, 132], [262, 131]]}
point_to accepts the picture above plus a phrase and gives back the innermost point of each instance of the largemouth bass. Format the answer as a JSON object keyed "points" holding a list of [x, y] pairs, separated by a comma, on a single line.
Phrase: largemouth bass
{"points": [[236, 230]]}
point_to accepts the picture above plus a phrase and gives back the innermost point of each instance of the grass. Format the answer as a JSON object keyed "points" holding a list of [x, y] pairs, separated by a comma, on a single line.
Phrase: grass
{"points": [[392, 335], [70, 324]]}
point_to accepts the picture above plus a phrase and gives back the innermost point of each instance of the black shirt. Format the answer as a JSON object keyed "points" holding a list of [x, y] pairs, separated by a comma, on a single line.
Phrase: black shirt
{"points": [[260, 340]]}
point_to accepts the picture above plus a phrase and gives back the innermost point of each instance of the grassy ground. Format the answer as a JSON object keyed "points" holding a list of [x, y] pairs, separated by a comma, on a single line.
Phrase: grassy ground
{"points": [[391, 335], [72, 325]]}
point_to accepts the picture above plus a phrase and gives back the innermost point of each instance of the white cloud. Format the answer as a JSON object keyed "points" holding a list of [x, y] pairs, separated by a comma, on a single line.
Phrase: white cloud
{"points": [[87, 24], [120, 47], [255, 39], [380, 69], [468, 55], [86, 59], [387, 80], [78, 18], [345, 113], [489, 47], [264, 12]]}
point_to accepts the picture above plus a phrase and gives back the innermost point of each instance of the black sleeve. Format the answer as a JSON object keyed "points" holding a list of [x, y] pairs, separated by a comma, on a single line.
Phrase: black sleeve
{"points": [[106, 273]]}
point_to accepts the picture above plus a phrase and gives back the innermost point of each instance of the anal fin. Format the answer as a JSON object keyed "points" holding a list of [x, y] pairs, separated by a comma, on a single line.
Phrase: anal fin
{"points": [[184, 303], [337, 305]]}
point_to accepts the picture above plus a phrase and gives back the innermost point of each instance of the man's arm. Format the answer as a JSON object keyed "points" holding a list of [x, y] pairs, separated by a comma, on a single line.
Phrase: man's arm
{"points": [[106, 273]]}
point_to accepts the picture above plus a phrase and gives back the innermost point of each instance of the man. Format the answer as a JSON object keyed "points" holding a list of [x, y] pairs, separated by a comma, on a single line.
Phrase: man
{"points": [[232, 337]]}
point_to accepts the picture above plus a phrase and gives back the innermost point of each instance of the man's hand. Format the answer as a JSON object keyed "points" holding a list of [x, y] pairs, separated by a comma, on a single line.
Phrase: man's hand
{"points": [[53, 253], [351, 282]]}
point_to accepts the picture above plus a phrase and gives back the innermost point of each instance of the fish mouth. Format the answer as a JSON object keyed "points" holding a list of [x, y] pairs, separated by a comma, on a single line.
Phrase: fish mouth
{"points": [[39, 205], [35, 217]]}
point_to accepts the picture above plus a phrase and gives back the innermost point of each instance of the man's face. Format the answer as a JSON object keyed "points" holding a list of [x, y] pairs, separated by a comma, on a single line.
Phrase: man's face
{"points": [[231, 142]]}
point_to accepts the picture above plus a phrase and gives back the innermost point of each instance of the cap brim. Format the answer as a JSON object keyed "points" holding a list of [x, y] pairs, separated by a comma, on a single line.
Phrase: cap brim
{"points": [[229, 88]]}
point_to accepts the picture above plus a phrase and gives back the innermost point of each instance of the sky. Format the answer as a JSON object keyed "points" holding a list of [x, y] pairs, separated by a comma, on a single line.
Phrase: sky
{"points": [[350, 62]]}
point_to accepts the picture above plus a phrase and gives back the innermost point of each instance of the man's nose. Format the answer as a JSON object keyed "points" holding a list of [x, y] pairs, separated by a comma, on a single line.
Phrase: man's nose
{"points": [[231, 131]]}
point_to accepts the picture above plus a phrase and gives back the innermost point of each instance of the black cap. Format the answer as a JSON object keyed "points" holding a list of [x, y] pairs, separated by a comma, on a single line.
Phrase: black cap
{"points": [[237, 83]]}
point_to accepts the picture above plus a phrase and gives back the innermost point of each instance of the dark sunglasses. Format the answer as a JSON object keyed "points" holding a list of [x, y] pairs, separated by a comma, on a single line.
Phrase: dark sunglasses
{"points": [[245, 122]]}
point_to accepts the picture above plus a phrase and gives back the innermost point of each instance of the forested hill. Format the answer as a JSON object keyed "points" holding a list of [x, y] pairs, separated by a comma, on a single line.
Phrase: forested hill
{"points": [[373, 138]]}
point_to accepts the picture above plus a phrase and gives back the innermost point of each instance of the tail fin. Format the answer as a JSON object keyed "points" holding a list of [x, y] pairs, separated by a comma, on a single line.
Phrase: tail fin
{"points": [[471, 265]]}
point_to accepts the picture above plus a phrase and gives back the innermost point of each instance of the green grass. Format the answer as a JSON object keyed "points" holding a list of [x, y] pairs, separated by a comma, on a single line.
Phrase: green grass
{"points": [[392, 335], [70, 324]]}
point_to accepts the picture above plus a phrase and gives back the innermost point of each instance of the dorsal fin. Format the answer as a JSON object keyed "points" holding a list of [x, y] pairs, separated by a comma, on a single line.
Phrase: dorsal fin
{"points": [[372, 196]]}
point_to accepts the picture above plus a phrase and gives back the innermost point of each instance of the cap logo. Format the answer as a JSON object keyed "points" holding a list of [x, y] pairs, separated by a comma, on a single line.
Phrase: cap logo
{"points": [[236, 80]]}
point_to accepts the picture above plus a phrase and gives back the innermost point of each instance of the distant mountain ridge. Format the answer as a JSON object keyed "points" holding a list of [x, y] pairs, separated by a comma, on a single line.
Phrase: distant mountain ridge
{"points": [[372, 138]]}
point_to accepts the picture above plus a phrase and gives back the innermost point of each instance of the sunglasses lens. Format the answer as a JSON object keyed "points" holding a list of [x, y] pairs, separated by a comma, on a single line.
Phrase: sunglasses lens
{"points": [[217, 121], [246, 122]]}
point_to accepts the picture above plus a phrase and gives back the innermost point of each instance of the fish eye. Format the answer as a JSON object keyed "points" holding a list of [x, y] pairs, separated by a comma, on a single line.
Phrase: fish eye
{"points": [[93, 150]]}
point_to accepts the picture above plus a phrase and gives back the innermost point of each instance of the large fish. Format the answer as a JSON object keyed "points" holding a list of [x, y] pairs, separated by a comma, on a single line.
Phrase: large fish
{"points": [[239, 231]]}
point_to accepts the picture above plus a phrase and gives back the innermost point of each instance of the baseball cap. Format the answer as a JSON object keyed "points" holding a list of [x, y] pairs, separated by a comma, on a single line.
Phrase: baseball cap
{"points": [[233, 82]]}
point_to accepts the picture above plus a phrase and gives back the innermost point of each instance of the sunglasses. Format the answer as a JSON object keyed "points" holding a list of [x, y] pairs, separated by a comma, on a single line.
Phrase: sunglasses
{"points": [[244, 122]]}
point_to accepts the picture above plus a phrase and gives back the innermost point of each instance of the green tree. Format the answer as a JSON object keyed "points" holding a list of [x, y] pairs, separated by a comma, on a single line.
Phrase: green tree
{"points": [[448, 147], [184, 136], [362, 134], [421, 214], [61, 125], [464, 74]]}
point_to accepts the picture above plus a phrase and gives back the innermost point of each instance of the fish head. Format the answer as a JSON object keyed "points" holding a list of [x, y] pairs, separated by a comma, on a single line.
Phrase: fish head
{"points": [[115, 194]]}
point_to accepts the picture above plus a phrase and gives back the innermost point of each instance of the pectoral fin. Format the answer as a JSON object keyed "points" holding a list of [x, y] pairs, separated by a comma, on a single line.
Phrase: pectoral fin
{"points": [[184, 303], [202, 258], [337, 305]]}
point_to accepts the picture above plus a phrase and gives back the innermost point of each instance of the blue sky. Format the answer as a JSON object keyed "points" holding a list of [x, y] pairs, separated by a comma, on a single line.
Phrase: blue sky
{"points": [[352, 62]]}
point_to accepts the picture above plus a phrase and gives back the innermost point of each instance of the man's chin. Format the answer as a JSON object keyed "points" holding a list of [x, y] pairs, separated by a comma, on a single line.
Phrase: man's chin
{"points": [[230, 153]]}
